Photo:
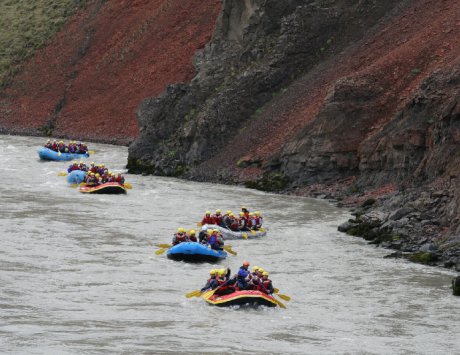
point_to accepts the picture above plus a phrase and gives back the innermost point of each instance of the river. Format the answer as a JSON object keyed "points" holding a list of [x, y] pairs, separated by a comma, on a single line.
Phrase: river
{"points": [[79, 275]]}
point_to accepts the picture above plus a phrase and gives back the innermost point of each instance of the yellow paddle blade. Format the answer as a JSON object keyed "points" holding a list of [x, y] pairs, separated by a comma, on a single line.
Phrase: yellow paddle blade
{"points": [[284, 297], [59, 153], [253, 232], [199, 224], [279, 303], [82, 183], [245, 235], [276, 290], [262, 229], [91, 152], [62, 173], [128, 185], [193, 294], [160, 251], [163, 245], [229, 250], [73, 185]]}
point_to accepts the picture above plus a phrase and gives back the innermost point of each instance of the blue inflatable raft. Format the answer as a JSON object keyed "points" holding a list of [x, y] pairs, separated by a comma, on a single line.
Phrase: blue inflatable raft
{"points": [[195, 253], [76, 177], [48, 154]]}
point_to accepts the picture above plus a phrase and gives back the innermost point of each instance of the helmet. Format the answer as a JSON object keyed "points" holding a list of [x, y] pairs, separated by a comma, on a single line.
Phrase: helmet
{"points": [[218, 211], [213, 272], [221, 272], [257, 213], [192, 232], [74, 162], [181, 230], [243, 208], [241, 214], [255, 268], [265, 273], [261, 270], [92, 163], [208, 212], [251, 214], [92, 174], [216, 230], [81, 162], [110, 173], [210, 231], [97, 175], [245, 263], [229, 212]]}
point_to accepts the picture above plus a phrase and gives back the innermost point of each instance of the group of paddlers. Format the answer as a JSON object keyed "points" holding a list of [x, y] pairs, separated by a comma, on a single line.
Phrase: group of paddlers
{"points": [[96, 174], [211, 237], [73, 147], [245, 221], [224, 283]]}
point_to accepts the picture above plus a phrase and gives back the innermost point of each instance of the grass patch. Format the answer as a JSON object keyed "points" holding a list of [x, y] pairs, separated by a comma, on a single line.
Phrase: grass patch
{"points": [[26, 26]]}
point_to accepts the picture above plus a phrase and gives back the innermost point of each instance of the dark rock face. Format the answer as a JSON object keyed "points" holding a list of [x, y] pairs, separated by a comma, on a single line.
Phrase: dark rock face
{"points": [[456, 286], [258, 48]]}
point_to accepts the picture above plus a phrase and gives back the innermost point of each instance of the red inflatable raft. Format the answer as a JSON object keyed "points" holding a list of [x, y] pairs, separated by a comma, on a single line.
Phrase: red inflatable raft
{"points": [[239, 298], [107, 188]]}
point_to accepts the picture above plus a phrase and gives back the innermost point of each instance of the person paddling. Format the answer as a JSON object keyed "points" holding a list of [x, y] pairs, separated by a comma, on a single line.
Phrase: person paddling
{"points": [[180, 236], [242, 277], [212, 282]]}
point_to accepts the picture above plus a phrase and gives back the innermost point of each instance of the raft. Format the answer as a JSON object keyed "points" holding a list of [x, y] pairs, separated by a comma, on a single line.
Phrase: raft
{"points": [[231, 235], [112, 188], [195, 253], [240, 298], [76, 176], [49, 154]]}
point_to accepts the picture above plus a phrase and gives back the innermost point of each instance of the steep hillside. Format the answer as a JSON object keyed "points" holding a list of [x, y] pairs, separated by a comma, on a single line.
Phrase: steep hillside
{"points": [[338, 98], [26, 26], [89, 80]]}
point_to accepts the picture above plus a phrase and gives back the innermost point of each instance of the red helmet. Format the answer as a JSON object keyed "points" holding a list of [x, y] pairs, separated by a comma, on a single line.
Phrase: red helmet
{"points": [[245, 263]]}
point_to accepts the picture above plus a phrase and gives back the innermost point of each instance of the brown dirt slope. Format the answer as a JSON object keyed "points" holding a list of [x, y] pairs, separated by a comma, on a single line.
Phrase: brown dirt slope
{"points": [[88, 82]]}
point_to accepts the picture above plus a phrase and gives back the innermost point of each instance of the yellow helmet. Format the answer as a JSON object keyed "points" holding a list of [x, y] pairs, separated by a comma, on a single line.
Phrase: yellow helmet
{"points": [[216, 230], [257, 213], [181, 230], [208, 212], [92, 163], [210, 231], [218, 211], [231, 214], [241, 214], [212, 272], [261, 270], [243, 208], [255, 268], [110, 173], [97, 175], [228, 212], [81, 162], [74, 162], [192, 232], [92, 174], [265, 273], [221, 272], [251, 214]]}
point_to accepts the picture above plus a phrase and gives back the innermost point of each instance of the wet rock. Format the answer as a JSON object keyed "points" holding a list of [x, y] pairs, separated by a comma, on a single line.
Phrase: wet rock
{"points": [[346, 226], [456, 286], [428, 247], [398, 214]]}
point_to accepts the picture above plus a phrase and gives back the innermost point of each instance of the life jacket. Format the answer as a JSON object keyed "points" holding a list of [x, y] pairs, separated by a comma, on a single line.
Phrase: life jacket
{"points": [[192, 238], [208, 220], [234, 224], [242, 222], [217, 219], [179, 238], [54, 146]]}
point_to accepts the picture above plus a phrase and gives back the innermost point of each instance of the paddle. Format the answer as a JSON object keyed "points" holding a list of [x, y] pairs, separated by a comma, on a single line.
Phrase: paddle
{"points": [[91, 151], [62, 173], [284, 297], [279, 303], [199, 224], [167, 246], [161, 251], [244, 235], [73, 185], [59, 153], [262, 229], [196, 293], [229, 249], [128, 185], [253, 232]]}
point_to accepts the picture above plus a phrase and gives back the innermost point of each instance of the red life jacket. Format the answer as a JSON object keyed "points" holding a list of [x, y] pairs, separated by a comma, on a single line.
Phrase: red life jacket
{"points": [[208, 220], [192, 238], [217, 219]]}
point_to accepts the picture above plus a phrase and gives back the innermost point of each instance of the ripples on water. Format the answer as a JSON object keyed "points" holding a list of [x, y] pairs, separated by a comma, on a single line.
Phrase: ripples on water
{"points": [[78, 273]]}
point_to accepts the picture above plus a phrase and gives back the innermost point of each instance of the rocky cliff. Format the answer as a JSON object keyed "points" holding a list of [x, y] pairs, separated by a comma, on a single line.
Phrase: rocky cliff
{"points": [[352, 100]]}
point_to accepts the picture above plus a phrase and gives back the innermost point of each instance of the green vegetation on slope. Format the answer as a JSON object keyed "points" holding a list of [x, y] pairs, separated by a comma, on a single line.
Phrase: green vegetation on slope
{"points": [[26, 25]]}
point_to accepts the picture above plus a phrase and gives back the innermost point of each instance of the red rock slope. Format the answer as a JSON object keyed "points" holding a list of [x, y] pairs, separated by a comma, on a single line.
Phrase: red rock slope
{"points": [[88, 82]]}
